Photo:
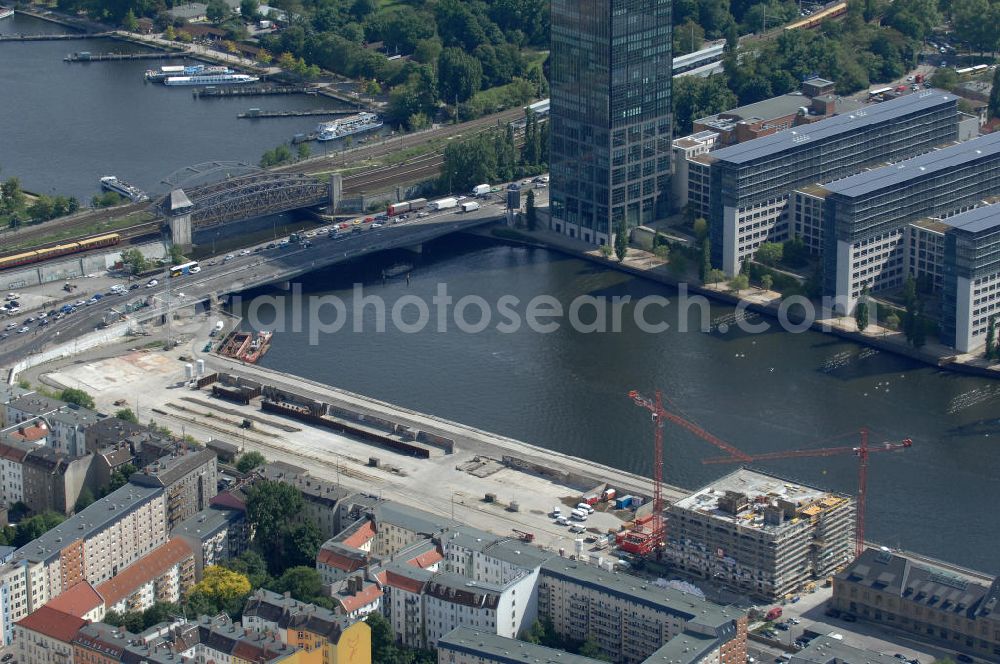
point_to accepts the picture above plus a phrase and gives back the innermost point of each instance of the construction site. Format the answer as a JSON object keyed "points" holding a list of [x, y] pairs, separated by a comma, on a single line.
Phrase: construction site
{"points": [[760, 533]]}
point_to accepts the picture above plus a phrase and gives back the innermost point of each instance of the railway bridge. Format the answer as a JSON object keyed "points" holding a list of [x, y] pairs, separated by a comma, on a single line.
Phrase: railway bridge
{"points": [[243, 197]]}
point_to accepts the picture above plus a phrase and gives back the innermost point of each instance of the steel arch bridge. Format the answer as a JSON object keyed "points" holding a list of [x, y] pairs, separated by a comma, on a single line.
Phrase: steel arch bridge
{"points": [[189, 175], [251, 196]]}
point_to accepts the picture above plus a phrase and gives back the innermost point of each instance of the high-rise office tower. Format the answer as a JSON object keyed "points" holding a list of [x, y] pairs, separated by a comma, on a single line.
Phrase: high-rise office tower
{"points": [[610, 133]]}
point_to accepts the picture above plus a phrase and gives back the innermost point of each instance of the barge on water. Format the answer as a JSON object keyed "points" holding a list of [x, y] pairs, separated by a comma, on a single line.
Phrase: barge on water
{"points": [[245, 346]]}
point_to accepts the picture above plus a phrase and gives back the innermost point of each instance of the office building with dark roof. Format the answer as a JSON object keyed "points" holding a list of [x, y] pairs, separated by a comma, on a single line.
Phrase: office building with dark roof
{"points": [[610, 118], [750, 183], [865, 216], [950, 609]]}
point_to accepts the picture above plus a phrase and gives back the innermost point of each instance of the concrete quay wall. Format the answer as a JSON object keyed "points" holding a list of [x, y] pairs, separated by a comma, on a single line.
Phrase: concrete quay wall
{"points": [[562, 468], [73, 267]]}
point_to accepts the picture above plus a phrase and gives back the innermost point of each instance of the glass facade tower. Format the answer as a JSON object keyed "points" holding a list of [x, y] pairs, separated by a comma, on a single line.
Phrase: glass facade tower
{"points": [[611, 124]]}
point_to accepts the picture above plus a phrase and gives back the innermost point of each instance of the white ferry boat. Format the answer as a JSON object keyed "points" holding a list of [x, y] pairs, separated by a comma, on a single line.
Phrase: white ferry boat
{"points": [[134, 194], [210, 79], [167, 71], [355, 124], [6, 12]]}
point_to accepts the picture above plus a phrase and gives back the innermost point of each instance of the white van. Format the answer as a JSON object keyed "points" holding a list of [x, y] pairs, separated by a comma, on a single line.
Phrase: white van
{"points": [[579, 515], [562, 521], [585, 507]]}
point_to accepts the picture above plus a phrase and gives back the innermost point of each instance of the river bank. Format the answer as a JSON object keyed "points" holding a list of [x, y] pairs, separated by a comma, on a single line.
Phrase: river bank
{"points": [[645, 264]]}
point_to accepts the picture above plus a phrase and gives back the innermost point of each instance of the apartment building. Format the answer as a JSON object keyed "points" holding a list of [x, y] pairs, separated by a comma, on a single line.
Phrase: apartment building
{"points": [[865, 216], [189, 479], [970, 292], [611, 116], [82, 601], [9, 393], [68, 422], [215, 639], [827, 650], [165, 574], [215, 535], [932, 604], [46, 636], [339, 639], [53, 481], [13, 450], [320, 497], [465, 645], [93, 545], [750, 183], [631, 620], [763, 534], [98, 643]]}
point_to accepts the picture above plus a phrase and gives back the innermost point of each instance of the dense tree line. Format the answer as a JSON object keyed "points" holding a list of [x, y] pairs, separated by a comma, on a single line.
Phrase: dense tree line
{"points": [[493, 156]]}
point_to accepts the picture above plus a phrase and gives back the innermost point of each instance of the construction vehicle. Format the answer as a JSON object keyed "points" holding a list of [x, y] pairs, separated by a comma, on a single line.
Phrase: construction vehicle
{"points": [[523, 536]]}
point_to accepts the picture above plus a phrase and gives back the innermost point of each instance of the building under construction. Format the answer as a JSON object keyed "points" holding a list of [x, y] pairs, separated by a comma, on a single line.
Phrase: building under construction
{"points": [[762, 534]]}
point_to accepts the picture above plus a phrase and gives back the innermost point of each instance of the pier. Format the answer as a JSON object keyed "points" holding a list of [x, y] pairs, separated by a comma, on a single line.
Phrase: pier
{"points": [[255, 113], [251, 91], [85, 56], [60, 37]]}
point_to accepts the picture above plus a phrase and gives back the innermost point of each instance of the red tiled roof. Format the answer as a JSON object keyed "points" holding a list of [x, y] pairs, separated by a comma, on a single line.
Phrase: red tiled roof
{"points": [[151, 566], [12, 453], [31, 434], [339, 560], [53, 623], [403, 582], [363, 534], [380, 577], [77, 601], [226, 499], [252, 652], [354, 602], [426, 559]]}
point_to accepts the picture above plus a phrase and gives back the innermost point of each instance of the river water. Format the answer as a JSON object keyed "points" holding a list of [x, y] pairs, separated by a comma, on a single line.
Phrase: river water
{"points": [[566, 391], [65, 125], [68, 124]]}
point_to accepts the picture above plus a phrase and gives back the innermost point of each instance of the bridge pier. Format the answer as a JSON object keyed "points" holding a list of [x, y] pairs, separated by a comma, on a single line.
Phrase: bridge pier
{"points": [[336, 191], [415, 248], [180, 231]]}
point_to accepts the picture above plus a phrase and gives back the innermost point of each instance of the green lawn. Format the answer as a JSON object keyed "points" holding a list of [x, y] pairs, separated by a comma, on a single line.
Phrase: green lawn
{"points": [[93, 228]]}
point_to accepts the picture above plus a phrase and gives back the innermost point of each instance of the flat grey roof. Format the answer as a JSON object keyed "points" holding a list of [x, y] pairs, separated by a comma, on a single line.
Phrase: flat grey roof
{"points": [[685, 648], [206, 522], [690, 607], [502, 649], [976, 220], [873, 114], [827, 650], [81, 525], [923, 165]]}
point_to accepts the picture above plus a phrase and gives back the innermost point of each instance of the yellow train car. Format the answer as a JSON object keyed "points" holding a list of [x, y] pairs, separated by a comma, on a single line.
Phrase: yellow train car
{"points": [[38, 255]]}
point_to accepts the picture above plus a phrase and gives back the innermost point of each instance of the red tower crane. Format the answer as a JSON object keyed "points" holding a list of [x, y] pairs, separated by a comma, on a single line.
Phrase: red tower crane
{"points": [[861, 452], [645, 539]]}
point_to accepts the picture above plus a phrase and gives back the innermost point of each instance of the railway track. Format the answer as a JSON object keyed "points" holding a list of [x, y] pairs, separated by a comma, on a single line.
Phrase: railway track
{"points": [[421, 167]]}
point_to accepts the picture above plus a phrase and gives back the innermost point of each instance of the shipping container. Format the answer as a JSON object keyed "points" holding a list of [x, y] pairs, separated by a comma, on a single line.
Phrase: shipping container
{"points": [[623, 503], [470, 206], [590, 499]]}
